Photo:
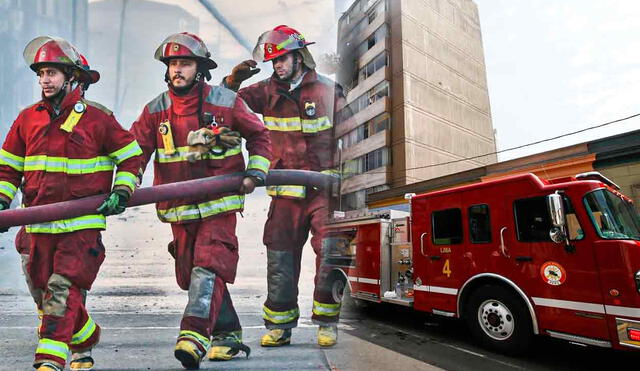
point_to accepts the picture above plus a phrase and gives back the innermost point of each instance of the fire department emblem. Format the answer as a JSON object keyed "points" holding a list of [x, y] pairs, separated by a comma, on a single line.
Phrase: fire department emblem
{"points": [[553, 273], [163, 129], [310, 108], [269, 48], [176, 47], [43, 54]]}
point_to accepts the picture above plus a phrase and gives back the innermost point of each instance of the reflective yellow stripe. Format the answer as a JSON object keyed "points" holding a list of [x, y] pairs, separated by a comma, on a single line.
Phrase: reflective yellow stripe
{"points": [[181, 155], [192, 334], [8, 189], [68, 165], [201, 210], [296, 191], [9, 159], [96, 221], [282, 123], [316, 125], [53, 348], [125, 178], [85, 332], [332, 172], [322, 309], [280, 317], [130, 150], [259, 163]]}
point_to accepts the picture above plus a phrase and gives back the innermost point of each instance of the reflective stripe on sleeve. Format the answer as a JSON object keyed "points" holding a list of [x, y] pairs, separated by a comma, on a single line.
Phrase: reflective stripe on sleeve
{"points": [[259, 163], [130, 150], [9, 159], [125, 178], [8, 189]]}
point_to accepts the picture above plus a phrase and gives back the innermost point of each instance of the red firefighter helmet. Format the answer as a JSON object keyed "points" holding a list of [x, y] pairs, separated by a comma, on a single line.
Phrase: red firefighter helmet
{"points": [[93, 75], [280, 41], [184, 45], [48, 50]]}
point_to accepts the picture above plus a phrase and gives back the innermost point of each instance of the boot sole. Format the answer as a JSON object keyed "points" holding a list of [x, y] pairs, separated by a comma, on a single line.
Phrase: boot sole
{"points": [[275, 345], [187, 360]]}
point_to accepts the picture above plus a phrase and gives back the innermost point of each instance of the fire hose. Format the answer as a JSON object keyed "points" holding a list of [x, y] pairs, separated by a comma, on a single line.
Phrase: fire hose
{"points": [[196, 188]]}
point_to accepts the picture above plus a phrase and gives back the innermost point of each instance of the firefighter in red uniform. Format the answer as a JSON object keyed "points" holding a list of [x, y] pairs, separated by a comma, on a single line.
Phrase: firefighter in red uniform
{"points": [[79, 360], [66, 147], [205, 246], [298, 108]]}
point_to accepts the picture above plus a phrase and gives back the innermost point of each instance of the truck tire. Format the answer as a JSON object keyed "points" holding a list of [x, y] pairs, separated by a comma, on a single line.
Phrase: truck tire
{"points": [[338, 283], [498, 319]]}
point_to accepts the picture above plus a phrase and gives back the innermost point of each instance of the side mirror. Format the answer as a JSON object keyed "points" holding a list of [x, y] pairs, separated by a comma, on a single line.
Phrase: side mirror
{"points": [[556, 210], [557, 235]]}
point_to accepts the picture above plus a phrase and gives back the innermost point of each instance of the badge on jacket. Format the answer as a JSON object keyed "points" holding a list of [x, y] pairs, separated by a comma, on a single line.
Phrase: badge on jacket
{"points": [[310, 108], [167, 138]]}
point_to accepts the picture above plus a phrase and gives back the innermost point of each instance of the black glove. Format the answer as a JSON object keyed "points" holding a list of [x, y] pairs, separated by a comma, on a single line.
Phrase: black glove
{"points": [[257, 176], [115, 203], [4, 206]]}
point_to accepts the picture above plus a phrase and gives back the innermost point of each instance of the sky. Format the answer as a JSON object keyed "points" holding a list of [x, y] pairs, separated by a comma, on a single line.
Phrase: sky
{"points": [[555, 67]]}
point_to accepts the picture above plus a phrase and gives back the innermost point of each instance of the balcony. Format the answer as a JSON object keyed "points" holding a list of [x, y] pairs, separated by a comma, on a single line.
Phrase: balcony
{"points": [[380, 106], [378, 140], [375, 177], [367, 57], [368, 83]]}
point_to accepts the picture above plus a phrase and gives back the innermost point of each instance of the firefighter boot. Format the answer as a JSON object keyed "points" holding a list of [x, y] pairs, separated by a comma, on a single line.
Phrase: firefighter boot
{"points": [[226, 345], [81, 361], [276, 337], [327, 335], [188, 353], [46, 366]]}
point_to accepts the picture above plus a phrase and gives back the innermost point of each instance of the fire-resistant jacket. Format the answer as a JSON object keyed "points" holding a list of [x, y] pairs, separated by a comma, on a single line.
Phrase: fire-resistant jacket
{"points": [[300, 123], [174, 116], [62, 161]]}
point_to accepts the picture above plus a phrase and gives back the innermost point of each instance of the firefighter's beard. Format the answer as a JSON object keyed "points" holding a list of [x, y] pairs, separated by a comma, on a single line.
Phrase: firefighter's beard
{"points": [[182, 85], [56, 97]]}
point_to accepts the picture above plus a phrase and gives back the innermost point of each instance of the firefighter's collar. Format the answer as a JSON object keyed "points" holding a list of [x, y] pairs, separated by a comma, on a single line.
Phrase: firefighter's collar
{"points": [[294, 84]]}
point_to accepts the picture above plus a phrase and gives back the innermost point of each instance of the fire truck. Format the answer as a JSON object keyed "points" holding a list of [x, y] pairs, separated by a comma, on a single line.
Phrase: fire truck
{"points": [[513, 257]]}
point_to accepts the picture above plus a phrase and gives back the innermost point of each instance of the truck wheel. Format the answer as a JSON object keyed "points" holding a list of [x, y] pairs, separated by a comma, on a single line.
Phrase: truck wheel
{"points": [[337, 289], [499, 319]]}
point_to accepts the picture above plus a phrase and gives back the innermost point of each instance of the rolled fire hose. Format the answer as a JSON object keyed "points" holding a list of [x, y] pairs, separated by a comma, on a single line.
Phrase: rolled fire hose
{"points": [[196, 188]]}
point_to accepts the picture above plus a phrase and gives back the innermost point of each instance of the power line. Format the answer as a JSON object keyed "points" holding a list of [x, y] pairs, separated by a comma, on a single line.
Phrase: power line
{"points": [[517, 147]]}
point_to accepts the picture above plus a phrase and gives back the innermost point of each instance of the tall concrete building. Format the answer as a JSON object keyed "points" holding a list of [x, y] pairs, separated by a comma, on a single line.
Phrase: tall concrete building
{"points": [[417, 94]]}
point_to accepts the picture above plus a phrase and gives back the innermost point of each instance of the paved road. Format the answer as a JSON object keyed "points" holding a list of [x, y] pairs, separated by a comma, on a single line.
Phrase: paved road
{"points": [[137, 302]]}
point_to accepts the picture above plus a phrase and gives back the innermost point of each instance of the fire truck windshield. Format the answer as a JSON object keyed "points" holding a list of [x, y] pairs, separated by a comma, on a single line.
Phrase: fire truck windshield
{"points": [[613, 218]]}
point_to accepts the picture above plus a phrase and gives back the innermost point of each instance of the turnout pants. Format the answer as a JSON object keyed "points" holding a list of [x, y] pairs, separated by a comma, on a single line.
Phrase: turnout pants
{"points": [[206, 258], [60, 267], [285, 233]]}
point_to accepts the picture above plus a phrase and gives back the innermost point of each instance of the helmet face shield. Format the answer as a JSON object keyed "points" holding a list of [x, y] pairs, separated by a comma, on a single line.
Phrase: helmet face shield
{"points": [[51, 50], [275, 43], [184, 45]]}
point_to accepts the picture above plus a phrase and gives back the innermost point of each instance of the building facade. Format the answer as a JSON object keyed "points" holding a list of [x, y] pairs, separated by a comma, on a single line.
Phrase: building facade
{"points": [[418, 103]]}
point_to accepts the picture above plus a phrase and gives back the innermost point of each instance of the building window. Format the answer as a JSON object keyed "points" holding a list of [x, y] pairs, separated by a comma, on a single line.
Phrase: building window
{"points": [[447, 227], [381, 60], [479, 224], [357, 200], [372, 40], [364, 131], [371, 161], [370, 97]]}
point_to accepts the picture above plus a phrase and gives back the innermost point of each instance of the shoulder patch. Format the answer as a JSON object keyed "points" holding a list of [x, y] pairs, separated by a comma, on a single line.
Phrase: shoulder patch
{"points": [[98, 106], [159, 103], [221, 96]]}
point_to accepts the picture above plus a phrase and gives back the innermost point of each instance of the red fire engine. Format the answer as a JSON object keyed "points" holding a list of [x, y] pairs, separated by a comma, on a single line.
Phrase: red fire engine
{"points": [[513, 257]]}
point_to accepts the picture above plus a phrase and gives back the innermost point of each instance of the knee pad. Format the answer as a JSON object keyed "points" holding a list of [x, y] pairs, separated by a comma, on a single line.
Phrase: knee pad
{"points": [[55, 299], [200, 293]]}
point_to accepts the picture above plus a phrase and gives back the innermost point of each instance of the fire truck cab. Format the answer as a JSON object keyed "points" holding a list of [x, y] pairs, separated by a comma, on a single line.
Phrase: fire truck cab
{"points": [[513, 257]]}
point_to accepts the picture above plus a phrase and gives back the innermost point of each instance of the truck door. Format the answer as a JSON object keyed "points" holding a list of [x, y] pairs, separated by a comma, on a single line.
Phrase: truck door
{"points": [[440, 250], [561, 280]]}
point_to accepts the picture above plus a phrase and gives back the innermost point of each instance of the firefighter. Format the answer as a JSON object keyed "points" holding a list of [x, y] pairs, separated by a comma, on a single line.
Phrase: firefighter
{"points": [[298, 106], [66, 147], [79, 360], [204, 243]]}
